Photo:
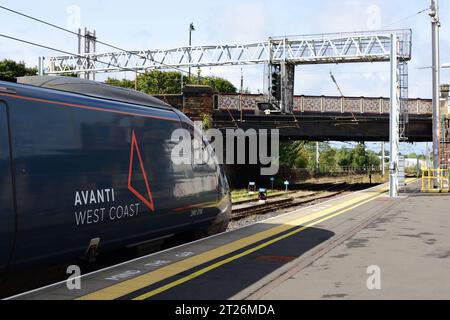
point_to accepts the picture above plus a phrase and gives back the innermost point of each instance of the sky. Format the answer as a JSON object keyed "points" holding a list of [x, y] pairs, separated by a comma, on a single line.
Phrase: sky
{"points": [[140, 24]]}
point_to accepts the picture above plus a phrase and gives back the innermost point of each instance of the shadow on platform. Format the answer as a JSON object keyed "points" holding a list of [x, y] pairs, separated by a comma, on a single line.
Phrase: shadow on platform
{"points": [[233, 277]]}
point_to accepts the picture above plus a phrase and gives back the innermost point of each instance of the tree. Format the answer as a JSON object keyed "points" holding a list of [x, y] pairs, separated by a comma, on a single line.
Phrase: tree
{"points": [[294, 154], [328, 158], [12, 69], [344, 157], [374, 160], [301, 154], [169, 82], [124, 83], [360, 156], [363, 158], [219, 85]]}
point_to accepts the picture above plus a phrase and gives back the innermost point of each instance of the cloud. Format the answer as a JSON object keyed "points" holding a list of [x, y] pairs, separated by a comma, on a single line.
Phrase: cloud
{"points": [[239, 23], [349, 15], [143, 39]]}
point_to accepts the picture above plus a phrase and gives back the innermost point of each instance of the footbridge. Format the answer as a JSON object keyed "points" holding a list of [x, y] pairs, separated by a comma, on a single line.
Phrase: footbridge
{"points": [[321, 118]]}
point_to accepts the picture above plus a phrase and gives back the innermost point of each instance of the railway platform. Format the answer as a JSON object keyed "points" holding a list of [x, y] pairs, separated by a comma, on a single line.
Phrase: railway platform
{"points": [[322, 252]]}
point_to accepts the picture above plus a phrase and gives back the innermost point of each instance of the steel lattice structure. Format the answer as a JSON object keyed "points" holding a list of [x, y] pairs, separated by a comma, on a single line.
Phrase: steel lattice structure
{"points": [[310, 49], [377, 46]]}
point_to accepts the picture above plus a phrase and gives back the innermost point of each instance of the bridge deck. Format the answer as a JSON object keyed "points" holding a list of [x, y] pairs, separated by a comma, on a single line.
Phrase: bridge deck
{"points": [[315, 126]]}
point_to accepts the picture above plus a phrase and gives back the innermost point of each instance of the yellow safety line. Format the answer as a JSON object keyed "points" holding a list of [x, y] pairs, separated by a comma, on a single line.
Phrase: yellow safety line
{"points": [[129, 286], [245, 253]]}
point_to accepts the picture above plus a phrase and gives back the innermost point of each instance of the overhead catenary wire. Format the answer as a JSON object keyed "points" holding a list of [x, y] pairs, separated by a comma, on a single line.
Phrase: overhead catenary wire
{"points": [[84, 36], [340, 92], [75, 33], [405, 18], [114, 46], [35, 44], [69, 53], [97, 41]]}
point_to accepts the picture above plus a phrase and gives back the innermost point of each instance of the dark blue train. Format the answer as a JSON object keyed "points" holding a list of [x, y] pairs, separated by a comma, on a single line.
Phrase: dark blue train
{"points": [[86, 167]]}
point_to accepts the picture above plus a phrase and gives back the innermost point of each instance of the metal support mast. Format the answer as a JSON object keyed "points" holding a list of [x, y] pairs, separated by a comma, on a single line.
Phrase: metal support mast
{"points": [[41, 66], [287, 87], [317, 157], [191, 28], [435, 25], [394, 121], [90, 44]]}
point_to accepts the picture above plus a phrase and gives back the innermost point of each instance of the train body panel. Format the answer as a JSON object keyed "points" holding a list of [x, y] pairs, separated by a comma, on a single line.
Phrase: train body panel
{"points": [[87, 168], [7, 215]]}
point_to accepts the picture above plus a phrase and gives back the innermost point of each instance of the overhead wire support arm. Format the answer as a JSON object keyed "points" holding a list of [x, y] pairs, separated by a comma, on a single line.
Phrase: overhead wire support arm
{"points": [[310, 49], [340, 92]]}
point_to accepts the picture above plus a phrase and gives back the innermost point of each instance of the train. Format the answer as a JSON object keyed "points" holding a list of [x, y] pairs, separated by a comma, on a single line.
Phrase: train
{"points": [[87, 168]]}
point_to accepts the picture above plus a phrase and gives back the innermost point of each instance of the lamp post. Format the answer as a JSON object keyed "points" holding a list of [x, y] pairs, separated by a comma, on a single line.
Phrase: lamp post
{"points": [[191, 28]]}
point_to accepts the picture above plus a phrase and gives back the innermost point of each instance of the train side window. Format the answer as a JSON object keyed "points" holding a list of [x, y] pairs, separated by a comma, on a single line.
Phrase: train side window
{"points": [[201, 151]]}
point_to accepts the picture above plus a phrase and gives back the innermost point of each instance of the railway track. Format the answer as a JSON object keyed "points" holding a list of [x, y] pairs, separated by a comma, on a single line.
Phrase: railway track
{"points": [[21, 281], [288, 202]]}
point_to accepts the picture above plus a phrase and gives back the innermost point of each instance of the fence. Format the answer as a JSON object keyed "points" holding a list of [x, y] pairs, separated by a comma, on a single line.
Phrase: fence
{"points": [[436, 180]]}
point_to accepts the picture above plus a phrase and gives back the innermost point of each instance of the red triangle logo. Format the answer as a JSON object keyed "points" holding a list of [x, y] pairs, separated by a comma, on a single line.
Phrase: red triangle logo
{"points": [[148, 201]]}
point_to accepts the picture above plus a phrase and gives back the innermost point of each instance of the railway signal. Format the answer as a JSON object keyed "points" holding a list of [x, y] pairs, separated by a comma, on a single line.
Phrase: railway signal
{"points": [[276, 82], [262, 194]]}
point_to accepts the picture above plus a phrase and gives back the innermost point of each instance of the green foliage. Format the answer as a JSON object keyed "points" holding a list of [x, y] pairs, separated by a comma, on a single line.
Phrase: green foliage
{"points": [[207, 122], [13, 69], [301, 154], [169, 82], [344, 157], [295, 154], [124, 83], [328, 157], [159, 82], [360, 156], [416, 156], [219, 85]]}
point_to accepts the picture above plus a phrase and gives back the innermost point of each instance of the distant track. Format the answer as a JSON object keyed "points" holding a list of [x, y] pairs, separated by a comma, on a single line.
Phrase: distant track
{"points": [[273, 205]]}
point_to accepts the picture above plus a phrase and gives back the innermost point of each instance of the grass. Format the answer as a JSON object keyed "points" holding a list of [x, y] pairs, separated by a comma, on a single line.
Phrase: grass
{"points": [[239, 195], [363, 178], [243, 195]]}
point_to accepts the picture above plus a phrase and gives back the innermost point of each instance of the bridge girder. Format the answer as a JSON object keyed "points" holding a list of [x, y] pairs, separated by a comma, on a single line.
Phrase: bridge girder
{"points": [[311, 49]]}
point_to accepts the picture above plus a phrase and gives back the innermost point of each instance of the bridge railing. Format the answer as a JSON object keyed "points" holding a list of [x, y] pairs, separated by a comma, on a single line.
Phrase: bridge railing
{"points": [[324, 104]]}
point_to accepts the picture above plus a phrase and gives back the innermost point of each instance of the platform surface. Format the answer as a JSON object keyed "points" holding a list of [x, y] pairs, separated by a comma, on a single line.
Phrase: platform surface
{"points": [[322, 251], [409, 245]]}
